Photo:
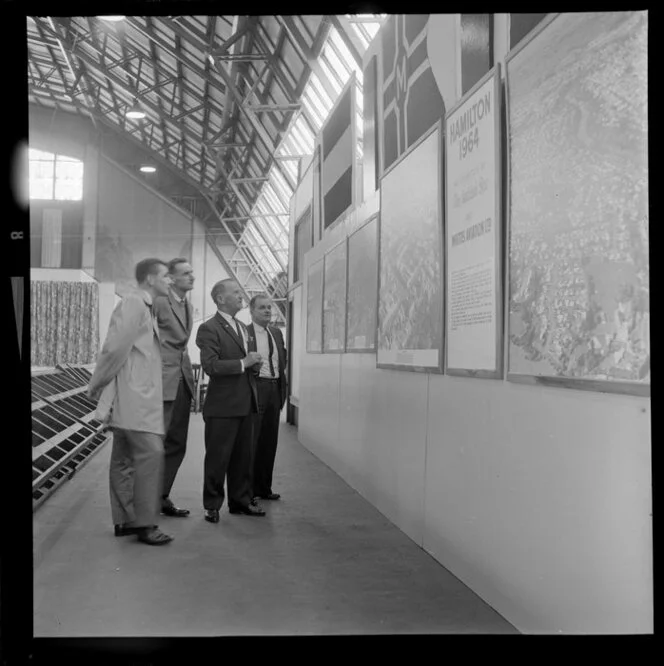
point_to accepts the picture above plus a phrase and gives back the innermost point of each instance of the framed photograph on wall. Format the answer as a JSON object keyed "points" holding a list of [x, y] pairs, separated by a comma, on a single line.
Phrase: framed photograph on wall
{"points": [[334, 299], [579, 306], [473, 232], [362, 288], [315, 308], [410, 260]]}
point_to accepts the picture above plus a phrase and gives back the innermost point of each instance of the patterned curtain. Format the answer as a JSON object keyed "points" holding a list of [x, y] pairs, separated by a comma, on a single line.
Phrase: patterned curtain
{"points": [[64, 322]]}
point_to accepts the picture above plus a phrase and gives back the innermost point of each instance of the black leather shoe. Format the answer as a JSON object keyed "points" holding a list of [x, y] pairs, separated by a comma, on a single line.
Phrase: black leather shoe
{"points": [[212, 515], [247, 510], [270, 496], [172, 510]]}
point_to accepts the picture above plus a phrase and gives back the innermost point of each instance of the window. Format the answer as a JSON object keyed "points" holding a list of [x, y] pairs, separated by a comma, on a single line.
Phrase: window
{"points": [[55, 176]]}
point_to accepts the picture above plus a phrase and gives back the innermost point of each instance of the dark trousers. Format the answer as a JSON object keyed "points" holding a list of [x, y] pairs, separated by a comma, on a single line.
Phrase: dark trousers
{"points": [[266, 434], [228, 446], [176, 421]]}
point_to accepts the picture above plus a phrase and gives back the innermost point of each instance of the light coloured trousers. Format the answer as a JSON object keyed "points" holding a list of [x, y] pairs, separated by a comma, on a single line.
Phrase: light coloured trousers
{"points": [[136, 472]]}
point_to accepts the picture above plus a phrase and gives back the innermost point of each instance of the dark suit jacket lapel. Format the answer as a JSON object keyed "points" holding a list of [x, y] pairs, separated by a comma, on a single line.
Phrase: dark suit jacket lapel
{"points": [[175, 306], [230, 331], [190, 312], [280, 350]]}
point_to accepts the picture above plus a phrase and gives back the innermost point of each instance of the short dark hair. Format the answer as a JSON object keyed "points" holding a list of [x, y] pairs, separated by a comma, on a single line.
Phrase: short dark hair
{"points": [[174, 262], [219, 288], [147, 267], [254, 298]]}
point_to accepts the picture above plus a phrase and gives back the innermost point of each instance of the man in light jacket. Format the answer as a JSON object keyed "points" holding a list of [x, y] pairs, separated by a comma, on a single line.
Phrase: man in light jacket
{"points": [[127, 380]]}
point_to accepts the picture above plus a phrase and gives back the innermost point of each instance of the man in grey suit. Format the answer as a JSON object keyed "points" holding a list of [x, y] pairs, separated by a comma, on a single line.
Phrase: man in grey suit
{"points": [[127, 381], [175, 319]]}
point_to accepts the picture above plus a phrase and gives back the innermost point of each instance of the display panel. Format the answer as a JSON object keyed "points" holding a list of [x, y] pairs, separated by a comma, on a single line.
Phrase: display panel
{"points": [[315, 307], [302, 243], [410, 301], [578, 204], [362, 288], [411, 100], [334, 299], [338, 157], [473, 232]]}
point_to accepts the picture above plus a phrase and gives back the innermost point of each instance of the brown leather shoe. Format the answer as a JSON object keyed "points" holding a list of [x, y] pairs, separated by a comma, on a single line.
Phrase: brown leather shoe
{"points": [[127, 530], [248, 510], [153, 536]]}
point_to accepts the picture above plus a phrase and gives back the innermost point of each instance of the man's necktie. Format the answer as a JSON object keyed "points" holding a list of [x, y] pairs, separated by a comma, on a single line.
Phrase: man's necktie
{"points": [[239, 332], [186, 313], [271, 350]]}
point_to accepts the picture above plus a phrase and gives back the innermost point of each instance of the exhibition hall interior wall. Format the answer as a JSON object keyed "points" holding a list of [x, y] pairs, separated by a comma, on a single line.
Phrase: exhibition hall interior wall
{"points": [[537, 497], [119, 221]]}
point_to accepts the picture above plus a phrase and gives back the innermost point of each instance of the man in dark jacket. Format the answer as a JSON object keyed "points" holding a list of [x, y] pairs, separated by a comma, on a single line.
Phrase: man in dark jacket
{"points": [[230, 403], [272, 393]]}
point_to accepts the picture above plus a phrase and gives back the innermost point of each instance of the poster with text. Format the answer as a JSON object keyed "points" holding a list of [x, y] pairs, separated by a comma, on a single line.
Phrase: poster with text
{"points": [[334, 299], [577, 103], [410, 300], [315, 307], [362, 288], [472, 181]]}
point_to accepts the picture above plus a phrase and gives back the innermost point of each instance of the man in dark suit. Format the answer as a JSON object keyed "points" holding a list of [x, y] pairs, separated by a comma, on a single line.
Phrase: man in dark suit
{"points": [[272, 393], [230, 403], [175, 319]]}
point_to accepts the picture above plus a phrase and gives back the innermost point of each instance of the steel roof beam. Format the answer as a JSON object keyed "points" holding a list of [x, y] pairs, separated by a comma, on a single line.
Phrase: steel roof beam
{"points": [[210, 36], [185, 131], [151, 34], [42, 29], [349, 37], [310, 57], [157, 73]]}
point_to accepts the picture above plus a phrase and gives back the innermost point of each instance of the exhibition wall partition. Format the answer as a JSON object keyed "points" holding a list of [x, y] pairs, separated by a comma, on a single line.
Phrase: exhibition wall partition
{"points": [[493, 401]]}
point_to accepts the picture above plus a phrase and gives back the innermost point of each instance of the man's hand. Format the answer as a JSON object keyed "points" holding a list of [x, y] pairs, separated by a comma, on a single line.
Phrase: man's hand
{"points": [[252, 358]]}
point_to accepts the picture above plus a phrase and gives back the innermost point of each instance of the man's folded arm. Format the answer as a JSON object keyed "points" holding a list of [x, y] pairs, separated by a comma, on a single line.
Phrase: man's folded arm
{"points": [[212, 361], [122, 334]]}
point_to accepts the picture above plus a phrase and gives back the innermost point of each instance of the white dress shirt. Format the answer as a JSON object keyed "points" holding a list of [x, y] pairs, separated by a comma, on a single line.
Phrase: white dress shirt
{"points": [[263, 348]]}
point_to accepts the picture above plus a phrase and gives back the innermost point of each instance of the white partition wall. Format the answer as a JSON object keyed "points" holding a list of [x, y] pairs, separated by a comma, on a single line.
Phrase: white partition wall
{"points": [[539, 498]]}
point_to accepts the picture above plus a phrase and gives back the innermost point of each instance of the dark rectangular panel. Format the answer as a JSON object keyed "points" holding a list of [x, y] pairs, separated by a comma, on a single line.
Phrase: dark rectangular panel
{"points": [[521, 25], [338, 197]]}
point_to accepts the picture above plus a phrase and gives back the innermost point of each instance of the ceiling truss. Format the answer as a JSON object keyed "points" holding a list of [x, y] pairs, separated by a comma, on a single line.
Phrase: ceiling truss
{"points": [[220, 94]]}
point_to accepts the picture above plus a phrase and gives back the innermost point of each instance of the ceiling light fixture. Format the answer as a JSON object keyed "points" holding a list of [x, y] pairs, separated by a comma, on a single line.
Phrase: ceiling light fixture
{"points": [[136, 112], [111, 18], [146, 168]]}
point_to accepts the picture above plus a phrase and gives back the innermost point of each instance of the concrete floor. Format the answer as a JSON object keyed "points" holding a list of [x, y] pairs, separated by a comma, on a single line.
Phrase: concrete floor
{"points": [[323, 561]]}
